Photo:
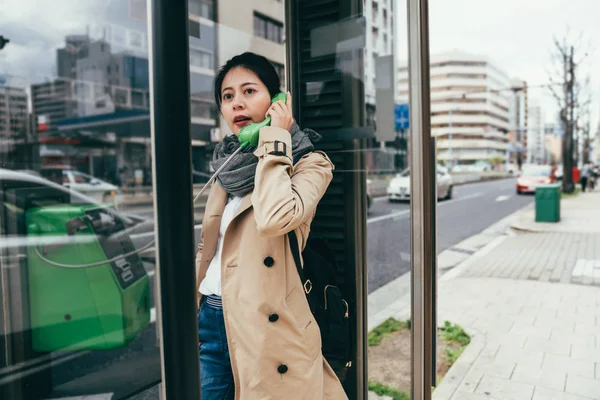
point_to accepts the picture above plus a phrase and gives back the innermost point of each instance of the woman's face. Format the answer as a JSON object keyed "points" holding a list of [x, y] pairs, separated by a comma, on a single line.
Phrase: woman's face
{"points": [[244, 99]]}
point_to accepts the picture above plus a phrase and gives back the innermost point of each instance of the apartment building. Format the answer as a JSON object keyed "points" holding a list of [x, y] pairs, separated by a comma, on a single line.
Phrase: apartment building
{"points": [[536, 136], [379, 41], [470, 100], [13, 119]]}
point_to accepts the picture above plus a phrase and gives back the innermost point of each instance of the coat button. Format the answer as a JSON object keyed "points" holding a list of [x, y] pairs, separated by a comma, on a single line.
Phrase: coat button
{"points": [[269, 261], [273, 317], [282, 369]]}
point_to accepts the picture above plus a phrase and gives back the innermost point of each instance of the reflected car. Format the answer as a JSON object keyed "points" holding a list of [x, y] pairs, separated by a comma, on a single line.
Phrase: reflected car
{"points": [[23, 188], [41, 218], [92, 187], [399, 187], [533, 176], [369, 193]]}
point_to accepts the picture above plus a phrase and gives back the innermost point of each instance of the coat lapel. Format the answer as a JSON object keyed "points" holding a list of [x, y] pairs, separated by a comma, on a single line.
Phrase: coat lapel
{"points": [[217, 199], [246, 204]]}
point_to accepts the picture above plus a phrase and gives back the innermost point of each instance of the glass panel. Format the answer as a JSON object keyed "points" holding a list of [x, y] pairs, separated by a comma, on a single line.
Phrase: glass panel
{"points": [[389, 196], [77, 262], [517, 233]]}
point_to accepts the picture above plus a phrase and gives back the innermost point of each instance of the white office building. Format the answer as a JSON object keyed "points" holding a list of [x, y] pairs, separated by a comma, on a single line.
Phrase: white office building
{"points": [[470, 100], [536, 148], [379, 40]]}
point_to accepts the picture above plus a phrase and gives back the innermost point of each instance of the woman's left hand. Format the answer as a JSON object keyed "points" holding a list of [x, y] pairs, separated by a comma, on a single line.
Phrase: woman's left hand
{"points": [[281, 113]]}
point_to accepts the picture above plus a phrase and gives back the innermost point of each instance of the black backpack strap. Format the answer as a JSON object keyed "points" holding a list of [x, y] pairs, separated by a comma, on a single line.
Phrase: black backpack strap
{"points": [[306, 283]]}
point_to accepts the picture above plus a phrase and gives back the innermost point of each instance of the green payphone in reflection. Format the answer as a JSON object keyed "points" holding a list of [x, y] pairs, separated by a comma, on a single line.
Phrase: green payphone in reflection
{"points": [[82, 293]]}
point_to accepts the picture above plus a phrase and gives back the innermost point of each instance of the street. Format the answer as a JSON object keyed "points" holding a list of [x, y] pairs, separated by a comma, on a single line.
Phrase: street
{"points": [[473, 208]]}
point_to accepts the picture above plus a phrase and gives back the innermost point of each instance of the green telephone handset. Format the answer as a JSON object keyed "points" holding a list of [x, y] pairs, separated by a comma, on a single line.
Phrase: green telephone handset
{"points": [[249, 134]]}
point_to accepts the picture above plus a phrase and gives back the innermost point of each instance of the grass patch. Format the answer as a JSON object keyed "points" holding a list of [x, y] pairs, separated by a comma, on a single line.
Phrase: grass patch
{"points": [[384, 390], [389, 326], [452, 355], [457, 340], [454, 333], [389, 355]]}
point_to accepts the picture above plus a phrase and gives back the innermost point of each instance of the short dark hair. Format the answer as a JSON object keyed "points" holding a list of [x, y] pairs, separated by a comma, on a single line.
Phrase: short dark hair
{"points": [[255, 63]]}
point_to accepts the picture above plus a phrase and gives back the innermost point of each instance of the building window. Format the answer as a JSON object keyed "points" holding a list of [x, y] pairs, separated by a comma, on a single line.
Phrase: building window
{"points": [[193, 29], [375, 38], [203, 8], [199, 58], [202, 109], [268, 28], [281, 72]]}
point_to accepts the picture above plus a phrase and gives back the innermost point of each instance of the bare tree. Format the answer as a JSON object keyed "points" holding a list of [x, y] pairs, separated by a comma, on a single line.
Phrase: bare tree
{"points": [[567, 56]]}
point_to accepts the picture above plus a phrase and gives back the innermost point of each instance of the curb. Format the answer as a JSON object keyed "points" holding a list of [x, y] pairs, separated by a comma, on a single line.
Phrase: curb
{"points": [[454, 272], [461, 367]]}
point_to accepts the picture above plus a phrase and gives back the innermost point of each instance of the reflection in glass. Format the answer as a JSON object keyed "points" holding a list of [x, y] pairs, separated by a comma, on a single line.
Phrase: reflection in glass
{"points": [[74, 165]]}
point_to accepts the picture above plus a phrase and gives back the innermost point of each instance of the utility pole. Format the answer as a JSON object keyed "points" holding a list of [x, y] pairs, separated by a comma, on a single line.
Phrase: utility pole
{"points": [[568, 116]]}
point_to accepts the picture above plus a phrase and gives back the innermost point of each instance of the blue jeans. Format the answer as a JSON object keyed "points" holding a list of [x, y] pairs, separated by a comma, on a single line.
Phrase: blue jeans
{"points": [[216, 377]]}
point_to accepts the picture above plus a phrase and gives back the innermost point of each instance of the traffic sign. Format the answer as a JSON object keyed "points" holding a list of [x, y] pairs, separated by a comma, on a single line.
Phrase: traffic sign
{"points": [[401, 116]]}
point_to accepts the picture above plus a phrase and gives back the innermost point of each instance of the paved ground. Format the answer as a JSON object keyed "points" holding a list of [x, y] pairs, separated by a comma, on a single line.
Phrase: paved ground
{"points": [[531, 302]]}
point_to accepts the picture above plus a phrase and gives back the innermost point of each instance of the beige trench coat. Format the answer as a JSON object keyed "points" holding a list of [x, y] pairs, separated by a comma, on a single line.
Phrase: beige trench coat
{"points": [[280, 359]]}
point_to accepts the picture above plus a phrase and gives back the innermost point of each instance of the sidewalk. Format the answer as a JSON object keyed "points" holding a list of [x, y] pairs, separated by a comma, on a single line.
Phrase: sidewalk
{"points": [[531, 302]]}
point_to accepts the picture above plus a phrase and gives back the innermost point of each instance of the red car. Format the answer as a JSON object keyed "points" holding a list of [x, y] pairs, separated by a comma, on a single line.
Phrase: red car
{"points": [[533, 176]]}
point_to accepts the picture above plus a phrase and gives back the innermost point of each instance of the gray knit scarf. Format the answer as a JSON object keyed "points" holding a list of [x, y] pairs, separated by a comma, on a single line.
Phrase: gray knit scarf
{"points": [[238, 177]]}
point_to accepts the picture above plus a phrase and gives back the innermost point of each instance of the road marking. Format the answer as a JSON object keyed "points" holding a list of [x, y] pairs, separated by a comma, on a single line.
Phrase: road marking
{"points": [[387, 216], [407, 212], [52, 364], [502, 198]]}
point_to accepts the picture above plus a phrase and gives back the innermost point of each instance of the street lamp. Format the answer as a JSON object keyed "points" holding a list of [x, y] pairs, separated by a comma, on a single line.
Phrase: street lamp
{"points": [[3, 42]]}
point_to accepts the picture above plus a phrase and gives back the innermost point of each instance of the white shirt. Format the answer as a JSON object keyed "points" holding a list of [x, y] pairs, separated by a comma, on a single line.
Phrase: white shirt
{"points": [[211, 284]]}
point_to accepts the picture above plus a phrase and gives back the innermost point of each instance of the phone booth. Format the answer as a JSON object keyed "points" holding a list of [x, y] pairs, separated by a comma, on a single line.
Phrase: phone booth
{"points": [[78, 307], [69, 291], [332, 103]]}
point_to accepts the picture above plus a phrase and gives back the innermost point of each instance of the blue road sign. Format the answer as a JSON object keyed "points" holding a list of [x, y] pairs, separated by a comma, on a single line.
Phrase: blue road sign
{"points": [[401, 117]]}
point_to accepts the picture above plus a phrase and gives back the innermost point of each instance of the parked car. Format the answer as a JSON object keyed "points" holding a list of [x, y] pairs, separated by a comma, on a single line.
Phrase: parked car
{"points": [[533, 176], [92, 187], [399, 187], [558, 173], [511, 169], [481, 166]]}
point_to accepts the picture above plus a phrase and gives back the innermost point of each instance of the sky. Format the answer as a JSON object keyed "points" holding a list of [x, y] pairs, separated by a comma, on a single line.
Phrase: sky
{"points": [[517, 36]]}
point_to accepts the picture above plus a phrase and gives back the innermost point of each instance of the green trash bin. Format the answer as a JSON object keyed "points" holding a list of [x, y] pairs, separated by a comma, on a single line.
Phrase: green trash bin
{"points": [[547, 203]]}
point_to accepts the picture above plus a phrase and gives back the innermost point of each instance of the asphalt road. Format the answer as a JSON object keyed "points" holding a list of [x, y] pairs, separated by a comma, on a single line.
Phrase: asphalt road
{"points": [[473, 208]]}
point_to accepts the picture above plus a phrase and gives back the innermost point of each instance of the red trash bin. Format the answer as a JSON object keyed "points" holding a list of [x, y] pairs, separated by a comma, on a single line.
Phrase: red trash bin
{"points": [[575, 175]]}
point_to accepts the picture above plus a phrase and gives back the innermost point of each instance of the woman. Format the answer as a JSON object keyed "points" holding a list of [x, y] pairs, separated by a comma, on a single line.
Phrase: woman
{"points": [[258, 338]]}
